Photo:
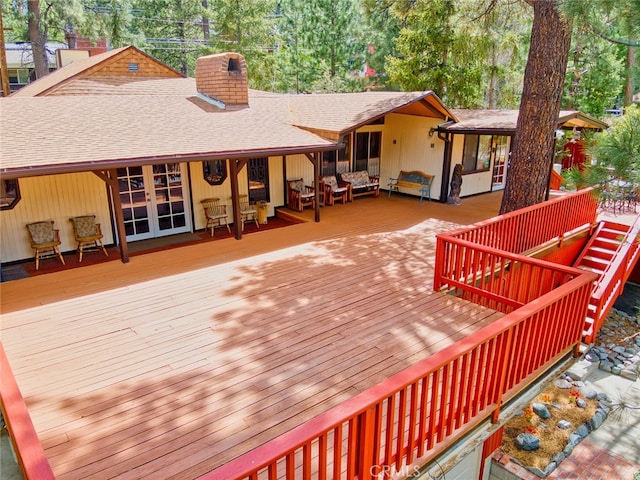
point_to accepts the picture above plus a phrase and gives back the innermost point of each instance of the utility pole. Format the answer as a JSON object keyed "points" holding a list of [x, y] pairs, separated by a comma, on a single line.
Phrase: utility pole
{"points": [[6, 88]]}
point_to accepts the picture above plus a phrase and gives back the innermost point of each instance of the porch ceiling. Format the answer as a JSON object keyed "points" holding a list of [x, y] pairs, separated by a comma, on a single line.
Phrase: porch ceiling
{"points": [[176, 367]]}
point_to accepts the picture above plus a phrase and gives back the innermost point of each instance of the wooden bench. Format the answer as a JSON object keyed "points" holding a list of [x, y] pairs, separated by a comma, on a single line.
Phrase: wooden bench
{"points": [[412, 180]]}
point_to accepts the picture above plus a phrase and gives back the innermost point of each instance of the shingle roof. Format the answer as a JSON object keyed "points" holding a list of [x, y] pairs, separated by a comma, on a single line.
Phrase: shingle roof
{"points": [[506, 120], [77, 133], [78, 118], [76, 70]]}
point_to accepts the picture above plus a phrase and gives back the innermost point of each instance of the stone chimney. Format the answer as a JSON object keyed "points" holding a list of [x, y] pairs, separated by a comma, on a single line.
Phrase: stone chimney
{"points": [[223, 77]]}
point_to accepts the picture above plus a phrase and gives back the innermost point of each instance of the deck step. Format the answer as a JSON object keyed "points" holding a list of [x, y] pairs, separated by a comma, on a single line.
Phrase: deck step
{"points": [[600, 252], [610, 244], [594, 262], [610, 233]]}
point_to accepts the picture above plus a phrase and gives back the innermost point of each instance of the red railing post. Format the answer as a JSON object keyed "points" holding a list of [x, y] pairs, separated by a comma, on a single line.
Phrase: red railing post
{"points": [[366, 442], [506, 351]]}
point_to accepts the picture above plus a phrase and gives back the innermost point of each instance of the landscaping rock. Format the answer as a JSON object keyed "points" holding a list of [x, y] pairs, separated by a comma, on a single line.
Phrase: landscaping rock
{"points": [[597, 419], [564, 384], [541, 410], [527, 442], [563, 424]]}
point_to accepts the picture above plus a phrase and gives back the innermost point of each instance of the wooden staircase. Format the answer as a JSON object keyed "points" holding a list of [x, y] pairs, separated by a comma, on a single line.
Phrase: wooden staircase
{"points": [[608, 246]]}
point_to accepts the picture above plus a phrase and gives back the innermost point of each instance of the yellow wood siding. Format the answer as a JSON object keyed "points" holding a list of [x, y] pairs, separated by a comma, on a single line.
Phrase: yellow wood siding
{"points": [[472, 183], [200, 190], [406, 145], [57, 198]]}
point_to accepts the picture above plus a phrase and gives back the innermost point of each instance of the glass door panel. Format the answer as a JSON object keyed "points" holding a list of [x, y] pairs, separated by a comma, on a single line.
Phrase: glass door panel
{"points": [[133, 200], [153, 201], [500, 153]]}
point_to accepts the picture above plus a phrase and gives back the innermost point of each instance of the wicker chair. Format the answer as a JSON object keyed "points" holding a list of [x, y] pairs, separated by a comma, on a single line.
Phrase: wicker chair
{"points": [[88, 235], [248, 211], [45, 241], [216, 214]]}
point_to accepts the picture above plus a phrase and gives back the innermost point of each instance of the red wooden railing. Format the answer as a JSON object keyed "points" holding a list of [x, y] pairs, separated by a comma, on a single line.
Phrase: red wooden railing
{"points": [[521, 230], [493, 278], [611, 282], [29, 452], [417, 413]]}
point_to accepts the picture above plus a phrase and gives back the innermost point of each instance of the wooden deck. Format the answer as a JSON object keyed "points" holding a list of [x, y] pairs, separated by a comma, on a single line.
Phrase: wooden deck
{"points": [[181, 360]]}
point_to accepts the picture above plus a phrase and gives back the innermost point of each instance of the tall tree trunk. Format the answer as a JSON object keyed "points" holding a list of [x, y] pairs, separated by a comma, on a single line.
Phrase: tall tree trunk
{"points": [[206, 30], [544, 75], [629, 86], [38, 39]]}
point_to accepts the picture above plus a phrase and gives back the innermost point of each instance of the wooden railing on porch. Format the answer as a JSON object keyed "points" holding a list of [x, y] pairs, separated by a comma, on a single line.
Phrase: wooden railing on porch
{"points": [[419, 412], [522, 230], [415, 415], [24, 439], [493, 278], [610, 284]]}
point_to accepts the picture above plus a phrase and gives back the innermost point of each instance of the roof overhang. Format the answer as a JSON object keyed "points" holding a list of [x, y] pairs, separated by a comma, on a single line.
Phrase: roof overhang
{"points": [[504, 122], [104, 165]]}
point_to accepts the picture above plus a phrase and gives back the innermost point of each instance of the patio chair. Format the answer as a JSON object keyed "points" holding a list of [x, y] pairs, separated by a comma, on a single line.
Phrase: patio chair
{"points": [[216, 214], [335, 190], [88, 235], [248, 211], [45, 241], [300, 195]]}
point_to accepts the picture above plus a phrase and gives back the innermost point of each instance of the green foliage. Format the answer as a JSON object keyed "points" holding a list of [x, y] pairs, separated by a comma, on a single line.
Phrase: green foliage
{"points": [[246, 27], [170, 30], [595, 74], [616, 156], [470, 53], [618, 149]]}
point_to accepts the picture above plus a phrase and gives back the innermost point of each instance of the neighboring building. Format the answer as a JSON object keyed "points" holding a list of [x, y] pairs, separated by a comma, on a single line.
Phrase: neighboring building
{"points": [[20, 67]]}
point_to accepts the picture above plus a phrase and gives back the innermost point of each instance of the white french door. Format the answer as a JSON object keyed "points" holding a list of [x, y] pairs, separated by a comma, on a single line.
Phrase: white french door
{"points": [[500, 152], [154, 200]]}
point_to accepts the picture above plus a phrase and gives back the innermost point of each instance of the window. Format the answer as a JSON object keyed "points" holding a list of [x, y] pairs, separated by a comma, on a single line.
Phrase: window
{"points": [[336, 161], [18, 77], [215, 171], [9, 194], [477, 153], [367, 154], [258, 178]]}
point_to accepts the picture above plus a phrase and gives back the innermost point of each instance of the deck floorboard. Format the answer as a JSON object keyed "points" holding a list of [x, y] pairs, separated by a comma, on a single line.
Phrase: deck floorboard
{"points": [[184, 359]]}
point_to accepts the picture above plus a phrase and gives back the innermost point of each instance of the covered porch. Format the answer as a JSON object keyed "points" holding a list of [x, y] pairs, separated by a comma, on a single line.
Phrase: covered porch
{"points": [[183, 359]]}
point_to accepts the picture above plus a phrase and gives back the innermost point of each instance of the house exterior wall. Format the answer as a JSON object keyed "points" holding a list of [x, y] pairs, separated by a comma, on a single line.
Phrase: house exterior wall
{"points": [[406, 145], [200, 189], [472, 183], [57, 198]]}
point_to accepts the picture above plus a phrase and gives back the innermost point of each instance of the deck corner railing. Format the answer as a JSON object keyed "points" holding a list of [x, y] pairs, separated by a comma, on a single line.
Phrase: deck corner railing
{"points": [[25, 442]]}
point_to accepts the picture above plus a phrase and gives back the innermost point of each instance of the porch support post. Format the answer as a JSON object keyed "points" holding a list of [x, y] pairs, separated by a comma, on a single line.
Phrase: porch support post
{"points": [[235, 166], [110, 177], [284, 178], [315, 159]]}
